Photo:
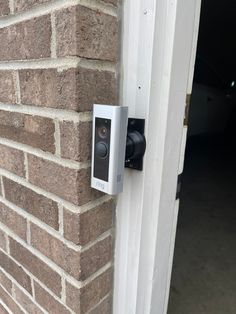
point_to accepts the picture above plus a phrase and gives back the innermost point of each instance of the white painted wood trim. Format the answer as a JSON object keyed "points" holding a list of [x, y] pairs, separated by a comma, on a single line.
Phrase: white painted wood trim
{"points": [[138, 33], [157, 48]]}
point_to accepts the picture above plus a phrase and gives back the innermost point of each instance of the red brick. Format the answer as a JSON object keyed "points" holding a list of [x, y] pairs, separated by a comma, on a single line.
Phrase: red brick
{"points": [[57, 251], [76, 140], [9, 302], [22, 5], [12, 159], [26, 40], [105, 307], [86, 227], [96, 257], [26, 302], [73, 89], [4, 7], [114, 2], [13, 221], [86, 33], [36, 266], [15, 271], [2, 240], [49, 88], [79, 265], [37, 205], [3, 310], [35, 131], [7, 86], [70, 184], [5, 281], [48, 302], [82, 300]]}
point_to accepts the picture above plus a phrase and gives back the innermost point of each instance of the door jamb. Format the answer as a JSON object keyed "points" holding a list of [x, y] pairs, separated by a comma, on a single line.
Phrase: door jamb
{"points": [[159, 44]]}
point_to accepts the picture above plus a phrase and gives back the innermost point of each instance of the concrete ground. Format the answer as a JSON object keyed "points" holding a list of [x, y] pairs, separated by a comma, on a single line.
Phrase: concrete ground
{"points": [[204, 270]]}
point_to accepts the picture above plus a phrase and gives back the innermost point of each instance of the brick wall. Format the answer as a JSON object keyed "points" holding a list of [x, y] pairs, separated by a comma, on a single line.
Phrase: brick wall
{"points": [[57, 58]]}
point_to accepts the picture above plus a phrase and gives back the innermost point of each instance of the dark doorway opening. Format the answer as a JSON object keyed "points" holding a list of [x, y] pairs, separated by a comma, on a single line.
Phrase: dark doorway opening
{"points": [[204, 266]]}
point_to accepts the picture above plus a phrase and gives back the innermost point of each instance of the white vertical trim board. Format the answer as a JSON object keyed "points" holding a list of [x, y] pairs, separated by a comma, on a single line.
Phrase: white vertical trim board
{"points": [[138, 33], [158, 37]]}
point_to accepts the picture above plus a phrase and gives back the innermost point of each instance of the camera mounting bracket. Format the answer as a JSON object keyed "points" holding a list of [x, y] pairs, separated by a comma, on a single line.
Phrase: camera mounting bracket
{"points": [[135, 144]]}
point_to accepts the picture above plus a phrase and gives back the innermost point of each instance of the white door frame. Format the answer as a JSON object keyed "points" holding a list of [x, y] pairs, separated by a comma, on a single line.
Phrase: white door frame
{"points": [[159, 44]]}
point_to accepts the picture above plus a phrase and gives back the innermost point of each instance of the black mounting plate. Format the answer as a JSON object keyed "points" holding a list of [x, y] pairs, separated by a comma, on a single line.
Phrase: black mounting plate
{"points": [[139, 126]]}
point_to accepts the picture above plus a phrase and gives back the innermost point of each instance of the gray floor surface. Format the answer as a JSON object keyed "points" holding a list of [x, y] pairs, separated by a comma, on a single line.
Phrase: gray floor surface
{"points": [[204, 269]]}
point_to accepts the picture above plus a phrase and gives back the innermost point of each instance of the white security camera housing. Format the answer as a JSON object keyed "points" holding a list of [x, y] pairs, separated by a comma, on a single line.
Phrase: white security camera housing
{"points": [[108, 148]]}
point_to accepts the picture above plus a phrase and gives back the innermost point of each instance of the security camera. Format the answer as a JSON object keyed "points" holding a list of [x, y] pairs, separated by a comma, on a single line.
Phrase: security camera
{"points": [[109, 147]]}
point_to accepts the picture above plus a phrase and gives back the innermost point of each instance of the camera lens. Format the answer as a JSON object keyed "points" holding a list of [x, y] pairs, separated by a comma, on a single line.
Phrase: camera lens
{"points": [[102, 131]]}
